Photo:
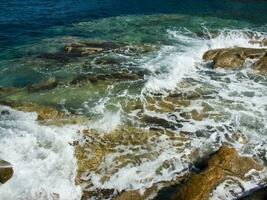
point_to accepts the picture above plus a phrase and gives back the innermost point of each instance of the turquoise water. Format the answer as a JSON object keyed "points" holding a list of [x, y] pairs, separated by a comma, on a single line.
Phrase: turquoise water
{"points": [[151, 86]]}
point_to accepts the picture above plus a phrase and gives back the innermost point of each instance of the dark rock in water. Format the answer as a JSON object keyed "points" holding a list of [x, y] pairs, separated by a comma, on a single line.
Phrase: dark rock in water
{"points": [[6, 91], [83, 78], [159, 122], [45, 85], [105, 45], [6, 171], [226, 162], [256, 194], [232, 57], [93, 48], [4, 112], [90, 48], [206, 35], [108, 61], [261, 65], [59, 56]]}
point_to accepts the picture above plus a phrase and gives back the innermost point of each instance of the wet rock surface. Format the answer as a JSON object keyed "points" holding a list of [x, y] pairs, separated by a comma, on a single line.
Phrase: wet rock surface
{"points": [[6, 171], [232, 58], [96, 149], [225, 163], [261, 65], [45, 114]]}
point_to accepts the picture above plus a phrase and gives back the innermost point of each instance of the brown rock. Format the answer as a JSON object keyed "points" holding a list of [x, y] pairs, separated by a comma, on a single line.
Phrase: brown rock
{"points": [[84, 78], [226, 162], [6, 171], [261, 65], [232, 57], [98, 146]]}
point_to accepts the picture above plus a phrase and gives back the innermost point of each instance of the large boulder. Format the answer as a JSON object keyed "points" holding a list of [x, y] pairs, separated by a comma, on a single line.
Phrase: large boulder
{"points": [[231, 58], [6, 171], [225, 163]]}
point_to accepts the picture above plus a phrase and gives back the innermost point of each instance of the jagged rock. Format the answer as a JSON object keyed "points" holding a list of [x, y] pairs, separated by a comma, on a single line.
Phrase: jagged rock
{"points": [[226, 162], [93, 48], [232, 57], [6, 171], [261, 65], [44, 85], [116, 147]]}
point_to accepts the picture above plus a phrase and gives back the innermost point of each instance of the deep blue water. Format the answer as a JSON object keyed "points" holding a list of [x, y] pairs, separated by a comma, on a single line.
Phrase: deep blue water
{"points": [[24, 20]]}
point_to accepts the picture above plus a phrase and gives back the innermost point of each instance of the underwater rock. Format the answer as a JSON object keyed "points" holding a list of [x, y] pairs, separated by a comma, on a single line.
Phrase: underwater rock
{"points": [[6, 171], [6, 91], [44, 85], [261, 65], [226, 162], [232, 58], [83, 78], [90, 47]]}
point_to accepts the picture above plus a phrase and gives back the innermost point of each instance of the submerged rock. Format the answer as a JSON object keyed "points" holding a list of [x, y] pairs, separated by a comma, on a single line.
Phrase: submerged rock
{"points": [[225, 163], [44, 85], [6, 91], [94, 78], [6, 171], [95, 48], [232, 58]]}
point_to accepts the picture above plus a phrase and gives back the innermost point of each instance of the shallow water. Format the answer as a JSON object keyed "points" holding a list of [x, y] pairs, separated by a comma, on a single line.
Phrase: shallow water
{"points": [[147, 130]]}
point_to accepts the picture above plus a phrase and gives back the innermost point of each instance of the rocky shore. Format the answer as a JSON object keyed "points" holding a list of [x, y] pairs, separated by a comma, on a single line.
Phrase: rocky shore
{"points": [[224, 165]]}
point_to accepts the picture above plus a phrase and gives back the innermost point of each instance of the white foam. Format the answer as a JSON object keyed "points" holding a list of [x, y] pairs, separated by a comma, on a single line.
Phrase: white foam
{"points": [[183, 59], [43, 161]]}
